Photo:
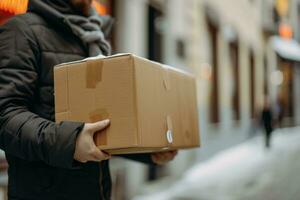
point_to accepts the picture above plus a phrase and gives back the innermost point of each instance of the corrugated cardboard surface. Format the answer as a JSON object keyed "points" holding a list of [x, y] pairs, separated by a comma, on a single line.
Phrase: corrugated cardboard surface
{"points": [[144, 100], [162, 94]]}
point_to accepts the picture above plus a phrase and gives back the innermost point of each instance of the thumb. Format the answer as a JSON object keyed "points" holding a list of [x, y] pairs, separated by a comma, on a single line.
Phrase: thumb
{"points": [[98, 126]]}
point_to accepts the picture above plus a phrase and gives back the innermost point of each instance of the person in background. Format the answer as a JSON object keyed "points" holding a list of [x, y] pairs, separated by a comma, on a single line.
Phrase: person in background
{"points": [[267, 121], [50, 161]]}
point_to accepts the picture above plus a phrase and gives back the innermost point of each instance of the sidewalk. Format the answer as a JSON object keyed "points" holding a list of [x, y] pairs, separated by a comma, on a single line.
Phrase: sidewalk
{"points": [[244, 172]]}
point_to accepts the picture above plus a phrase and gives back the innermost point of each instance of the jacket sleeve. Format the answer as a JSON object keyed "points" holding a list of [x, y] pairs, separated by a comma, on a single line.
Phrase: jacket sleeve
{"points": [[22, 133]]}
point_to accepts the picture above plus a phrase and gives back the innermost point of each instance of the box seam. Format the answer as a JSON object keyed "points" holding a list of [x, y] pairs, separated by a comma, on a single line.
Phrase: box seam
{"points": [[67, 93], [135, 99]]}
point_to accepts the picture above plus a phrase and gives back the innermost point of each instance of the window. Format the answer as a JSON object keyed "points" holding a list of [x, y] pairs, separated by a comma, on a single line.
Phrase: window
{"points": [[298, 20], [234, 55], [286, 91], [155, 36], [214, 96], [252, 85], [266, 77]]}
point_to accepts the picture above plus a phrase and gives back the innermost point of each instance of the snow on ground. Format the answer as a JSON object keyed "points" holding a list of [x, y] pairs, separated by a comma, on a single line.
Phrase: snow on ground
{"points": [[245, 172]]}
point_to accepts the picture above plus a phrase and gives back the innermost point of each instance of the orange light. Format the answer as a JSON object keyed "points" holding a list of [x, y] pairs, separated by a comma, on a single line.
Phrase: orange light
{"points": [[282, 7], [101, 9], [285, 31], [14, 6]]}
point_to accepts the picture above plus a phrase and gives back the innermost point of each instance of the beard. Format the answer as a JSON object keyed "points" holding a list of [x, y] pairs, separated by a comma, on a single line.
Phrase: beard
{"points": [[82, 6]]}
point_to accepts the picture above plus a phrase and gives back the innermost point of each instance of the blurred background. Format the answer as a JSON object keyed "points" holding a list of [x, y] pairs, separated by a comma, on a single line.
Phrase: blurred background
{"points": [[242, 53]]}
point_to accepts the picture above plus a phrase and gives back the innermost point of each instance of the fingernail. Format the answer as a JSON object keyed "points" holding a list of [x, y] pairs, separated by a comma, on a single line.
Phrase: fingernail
{"points": [[106, 121], [108, 157]]}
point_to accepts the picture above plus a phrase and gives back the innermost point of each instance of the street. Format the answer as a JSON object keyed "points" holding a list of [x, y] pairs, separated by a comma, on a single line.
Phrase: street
{"points": [[246, 171]]}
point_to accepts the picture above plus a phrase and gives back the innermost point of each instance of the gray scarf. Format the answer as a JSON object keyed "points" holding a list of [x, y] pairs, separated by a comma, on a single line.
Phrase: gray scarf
{"points": [[92, 30]]}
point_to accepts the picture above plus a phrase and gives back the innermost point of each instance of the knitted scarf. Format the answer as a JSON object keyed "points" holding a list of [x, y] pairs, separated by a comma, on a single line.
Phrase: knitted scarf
{"points": [[92, 30]]}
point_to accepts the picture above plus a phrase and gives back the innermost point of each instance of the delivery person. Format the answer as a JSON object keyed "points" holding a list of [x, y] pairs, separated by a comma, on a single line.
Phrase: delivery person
{"points": [[49, 161]]}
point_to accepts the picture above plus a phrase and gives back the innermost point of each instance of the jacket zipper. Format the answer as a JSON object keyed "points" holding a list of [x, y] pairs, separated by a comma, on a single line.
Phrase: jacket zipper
{"points": [[100, 181]]}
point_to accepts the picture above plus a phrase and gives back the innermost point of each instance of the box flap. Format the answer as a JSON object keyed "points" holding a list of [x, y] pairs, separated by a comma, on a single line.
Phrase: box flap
{"points": [[94, 58]]}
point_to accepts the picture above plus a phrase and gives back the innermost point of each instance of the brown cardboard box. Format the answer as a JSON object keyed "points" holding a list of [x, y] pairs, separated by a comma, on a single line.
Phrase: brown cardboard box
{"points": [[151, 107]]}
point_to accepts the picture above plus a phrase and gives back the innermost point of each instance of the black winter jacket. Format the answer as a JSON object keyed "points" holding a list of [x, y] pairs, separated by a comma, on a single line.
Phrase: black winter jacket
{"points": [[39, 151]]}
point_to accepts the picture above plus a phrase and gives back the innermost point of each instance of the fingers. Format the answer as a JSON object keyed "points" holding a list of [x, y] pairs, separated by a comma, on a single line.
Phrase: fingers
{"points": [[98, 126], [173, 153], [86, 149], [98, 155], [158, 157], [164, 157], [167, 155]]}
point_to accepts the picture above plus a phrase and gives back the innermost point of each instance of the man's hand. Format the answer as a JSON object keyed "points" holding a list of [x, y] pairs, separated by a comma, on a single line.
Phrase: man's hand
{"points": [[86, 149], [163, 157]]}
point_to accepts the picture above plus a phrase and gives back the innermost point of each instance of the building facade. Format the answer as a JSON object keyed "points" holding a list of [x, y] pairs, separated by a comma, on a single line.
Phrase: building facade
{"points": [[223, 44]]}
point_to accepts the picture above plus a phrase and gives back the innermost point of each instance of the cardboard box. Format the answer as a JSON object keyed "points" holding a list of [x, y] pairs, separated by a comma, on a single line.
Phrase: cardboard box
{"points": [[151, 107]]}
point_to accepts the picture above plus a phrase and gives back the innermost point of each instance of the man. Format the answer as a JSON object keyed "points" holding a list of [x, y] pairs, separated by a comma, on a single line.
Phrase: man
{"points": [[267, 121], [49, 161]]}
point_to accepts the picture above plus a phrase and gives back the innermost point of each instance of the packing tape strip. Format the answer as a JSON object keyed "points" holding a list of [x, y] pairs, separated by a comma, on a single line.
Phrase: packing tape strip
{"points": [[169, 133], [93, 72], [99, 137]]}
